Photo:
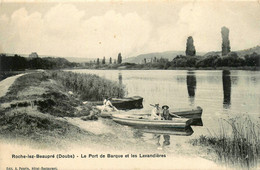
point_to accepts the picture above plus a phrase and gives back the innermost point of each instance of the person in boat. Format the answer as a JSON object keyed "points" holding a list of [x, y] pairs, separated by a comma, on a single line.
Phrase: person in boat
{"points": [[107, 105], [156, 112], [166, 113]]}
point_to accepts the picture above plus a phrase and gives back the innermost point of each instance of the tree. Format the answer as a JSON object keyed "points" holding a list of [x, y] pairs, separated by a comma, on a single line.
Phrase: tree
{"points": [[119, 58], [190, 48], [110, 60], [154, 60], [225, 41], [144, 60], [98, 61], [33, 55], [104, 60]]}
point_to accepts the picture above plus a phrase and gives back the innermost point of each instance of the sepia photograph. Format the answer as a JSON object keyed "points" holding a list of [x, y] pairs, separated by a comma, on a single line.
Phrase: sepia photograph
{"points": [[113, 84]]}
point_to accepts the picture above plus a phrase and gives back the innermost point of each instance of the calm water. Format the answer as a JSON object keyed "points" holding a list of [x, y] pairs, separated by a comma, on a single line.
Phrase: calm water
{"points": [[221, 94]]}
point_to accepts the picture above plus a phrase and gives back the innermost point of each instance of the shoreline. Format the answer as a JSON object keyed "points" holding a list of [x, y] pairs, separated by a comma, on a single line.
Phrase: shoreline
{"points": [[66, 133], [177, 68], [6, 74]]}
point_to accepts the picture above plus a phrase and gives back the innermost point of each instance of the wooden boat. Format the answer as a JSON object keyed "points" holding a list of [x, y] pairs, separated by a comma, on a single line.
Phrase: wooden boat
{"points": [[193, 113], [135, 102], [196, 122], [144, 121]]}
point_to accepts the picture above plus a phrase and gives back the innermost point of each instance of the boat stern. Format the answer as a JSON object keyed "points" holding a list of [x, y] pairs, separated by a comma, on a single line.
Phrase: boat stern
{"points": [[189, 122]]}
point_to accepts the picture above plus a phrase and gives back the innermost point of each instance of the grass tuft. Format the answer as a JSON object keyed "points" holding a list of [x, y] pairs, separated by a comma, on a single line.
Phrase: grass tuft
{"points": [[241, 147]]}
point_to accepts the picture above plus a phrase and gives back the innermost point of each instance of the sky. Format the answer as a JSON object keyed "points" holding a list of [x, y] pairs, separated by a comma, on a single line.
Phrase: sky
{"points": [[98, 29]]}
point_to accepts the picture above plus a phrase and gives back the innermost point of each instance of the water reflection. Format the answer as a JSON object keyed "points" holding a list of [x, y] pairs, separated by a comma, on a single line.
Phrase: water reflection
{"points": [[226, 88], [188, 131], [166, 140], [161, 137], [138, 134], [120, 78], [170, 87], [191, 86]]}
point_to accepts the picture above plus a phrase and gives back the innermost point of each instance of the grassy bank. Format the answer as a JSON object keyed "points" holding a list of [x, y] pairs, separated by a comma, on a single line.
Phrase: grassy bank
{"points": [[239, 146], [36, 104]]}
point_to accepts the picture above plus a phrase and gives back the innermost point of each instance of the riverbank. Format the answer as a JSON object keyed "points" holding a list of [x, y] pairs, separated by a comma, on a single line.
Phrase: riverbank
{"points": [[34, 107], [39, 112], [130, 66], [45, 98]]}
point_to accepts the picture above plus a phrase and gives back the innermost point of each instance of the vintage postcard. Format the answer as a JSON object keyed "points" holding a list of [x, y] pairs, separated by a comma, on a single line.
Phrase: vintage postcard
{"points": [[129, 84]]}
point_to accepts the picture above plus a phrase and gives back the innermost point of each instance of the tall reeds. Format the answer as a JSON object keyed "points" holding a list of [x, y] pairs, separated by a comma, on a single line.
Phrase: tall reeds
{"points": [[236, 144], [88, 86]]}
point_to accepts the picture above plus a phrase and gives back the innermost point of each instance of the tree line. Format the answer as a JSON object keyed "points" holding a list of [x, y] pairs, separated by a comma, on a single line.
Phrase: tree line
{"points": [[17, 63], [103, 61], [230, 60], [227, 58]]}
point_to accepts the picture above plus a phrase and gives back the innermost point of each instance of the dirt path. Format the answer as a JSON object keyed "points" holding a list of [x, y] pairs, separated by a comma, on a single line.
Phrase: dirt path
{"points": [[6, 83]]}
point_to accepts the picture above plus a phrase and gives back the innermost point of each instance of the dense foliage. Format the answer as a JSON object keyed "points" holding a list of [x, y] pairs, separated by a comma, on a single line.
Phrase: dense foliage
{"points": [[88, 86], [211, 61], [16, 62], [230, 60]]}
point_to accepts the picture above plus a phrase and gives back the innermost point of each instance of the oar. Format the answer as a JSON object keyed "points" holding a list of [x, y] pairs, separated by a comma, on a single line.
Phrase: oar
{"points": [[115, 108], [176, 115], [171, 113]]}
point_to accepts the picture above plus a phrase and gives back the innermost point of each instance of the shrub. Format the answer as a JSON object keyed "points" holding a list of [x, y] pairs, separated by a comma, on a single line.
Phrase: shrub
{"points": [[184, 61], [252, 60], [209, 61], [88, 86]]}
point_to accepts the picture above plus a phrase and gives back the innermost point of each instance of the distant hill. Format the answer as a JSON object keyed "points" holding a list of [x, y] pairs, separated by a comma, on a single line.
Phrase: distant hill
{"points": [[170, 55], [240, 53], [140, 58]]}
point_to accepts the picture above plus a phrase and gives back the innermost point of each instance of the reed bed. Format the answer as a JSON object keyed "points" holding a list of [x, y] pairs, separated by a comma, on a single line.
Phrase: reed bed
{"points": [[239, 147], [88, 86]]}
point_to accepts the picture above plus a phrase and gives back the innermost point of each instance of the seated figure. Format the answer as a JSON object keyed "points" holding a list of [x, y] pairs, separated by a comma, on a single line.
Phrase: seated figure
{"points": [[166, 113], [107, 105], [156, 113]]}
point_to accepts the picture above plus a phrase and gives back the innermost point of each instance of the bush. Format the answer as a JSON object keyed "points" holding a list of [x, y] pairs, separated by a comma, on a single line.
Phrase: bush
{"points": [[209, 61], [252, 60], [87, 86], [184, 61]]}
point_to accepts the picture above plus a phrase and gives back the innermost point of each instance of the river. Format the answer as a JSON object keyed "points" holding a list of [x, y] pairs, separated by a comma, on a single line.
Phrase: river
{"points": [[221, 94]]}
